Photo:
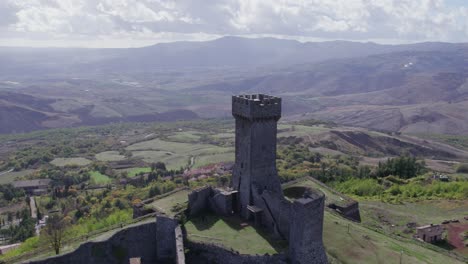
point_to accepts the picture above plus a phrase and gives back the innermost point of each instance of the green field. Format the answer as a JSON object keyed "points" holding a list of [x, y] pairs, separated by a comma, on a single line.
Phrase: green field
{"points": [[362, 245], [177, 154], [458, 141], [165, 204], [9, 177], [109, 156], [99, 178], [132, 172], [62, 162], [299, 130], [185, 136], [229, 233], [392, 218], [201, 161], [172, 160]]}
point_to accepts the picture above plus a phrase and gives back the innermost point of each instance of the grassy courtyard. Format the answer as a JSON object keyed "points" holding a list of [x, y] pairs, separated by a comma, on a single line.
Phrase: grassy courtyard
{"points": [[233, 233], [166, 204]]}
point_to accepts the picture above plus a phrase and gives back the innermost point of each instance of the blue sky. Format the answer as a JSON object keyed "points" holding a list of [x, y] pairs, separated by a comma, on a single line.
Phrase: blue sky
{"points": [[132, 23]]}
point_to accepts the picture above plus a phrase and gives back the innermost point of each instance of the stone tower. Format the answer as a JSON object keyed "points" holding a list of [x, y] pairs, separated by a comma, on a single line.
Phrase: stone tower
{"points": [[306, 229], [255, 167]]}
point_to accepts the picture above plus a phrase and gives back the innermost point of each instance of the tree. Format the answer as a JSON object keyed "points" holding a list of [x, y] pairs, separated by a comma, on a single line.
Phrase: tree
{"points": [[55, 231], [158, 166], [462, 168]]}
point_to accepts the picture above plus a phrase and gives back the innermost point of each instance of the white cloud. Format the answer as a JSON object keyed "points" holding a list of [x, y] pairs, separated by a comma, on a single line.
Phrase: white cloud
{"points": [[406, 20]]}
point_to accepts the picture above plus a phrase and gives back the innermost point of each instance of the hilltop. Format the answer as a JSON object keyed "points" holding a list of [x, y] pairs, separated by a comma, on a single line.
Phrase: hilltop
{"points": [[406, 88]]}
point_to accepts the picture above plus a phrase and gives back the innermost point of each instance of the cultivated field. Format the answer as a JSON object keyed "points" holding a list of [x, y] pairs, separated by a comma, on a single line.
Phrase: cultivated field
{"points": [[62, 162], [11, 176], [109, 156], [178, 154], [99, 178]]}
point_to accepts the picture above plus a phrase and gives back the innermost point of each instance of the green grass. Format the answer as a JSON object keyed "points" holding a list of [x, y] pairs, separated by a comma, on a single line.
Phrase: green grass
{"points": [[109, 156], [299, 130], [99, 178], [201, 161], [165, 204], [132, 172], [392, 218], [225, 135], [458, 141], [362, 245], [185, 136], [177, 154], [62, 162], [172, 160], [12, 176], [230, 234]]}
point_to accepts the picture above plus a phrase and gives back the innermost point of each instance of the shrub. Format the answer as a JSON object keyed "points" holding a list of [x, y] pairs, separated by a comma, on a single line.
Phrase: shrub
{"points": [[462, 168]]}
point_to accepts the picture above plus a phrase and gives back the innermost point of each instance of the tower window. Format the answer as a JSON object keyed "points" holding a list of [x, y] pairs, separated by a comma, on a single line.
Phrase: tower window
{"points": [[242, 165]]}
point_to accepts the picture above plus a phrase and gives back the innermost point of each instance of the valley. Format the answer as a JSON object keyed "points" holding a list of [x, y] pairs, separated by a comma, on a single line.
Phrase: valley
{"points": [[108, 169]]}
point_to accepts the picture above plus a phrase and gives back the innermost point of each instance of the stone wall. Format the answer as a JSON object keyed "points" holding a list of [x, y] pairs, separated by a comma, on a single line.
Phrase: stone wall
{"points": [[132, 242], [305, 237], [201, 253], [221, 202], [180, 250], [166, 242], [198, 201], [350, 211]]}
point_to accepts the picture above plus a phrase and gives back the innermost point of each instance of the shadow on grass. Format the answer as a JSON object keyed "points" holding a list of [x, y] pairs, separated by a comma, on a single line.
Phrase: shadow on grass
{"points": [[204, 221], [279, 244], [207, 221], [445, 245]]}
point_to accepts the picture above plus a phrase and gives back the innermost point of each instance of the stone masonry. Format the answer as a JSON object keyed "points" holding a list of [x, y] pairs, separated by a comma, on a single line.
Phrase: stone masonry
{"points": [[256, 193], [255, 167]]}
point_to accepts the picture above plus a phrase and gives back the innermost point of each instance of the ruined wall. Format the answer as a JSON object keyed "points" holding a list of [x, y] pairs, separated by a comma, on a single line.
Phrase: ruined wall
{"points": [[305, 237], [201, 253], [198, 201], [131, 242], [221, 202], [350, 211]]}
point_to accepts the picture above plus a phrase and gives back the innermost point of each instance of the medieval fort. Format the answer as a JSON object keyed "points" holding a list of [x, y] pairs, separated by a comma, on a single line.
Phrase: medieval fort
{"points": [[255, 196]]}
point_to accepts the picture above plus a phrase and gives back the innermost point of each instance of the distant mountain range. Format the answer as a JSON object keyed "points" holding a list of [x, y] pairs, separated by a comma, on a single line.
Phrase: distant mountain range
{"points": [[416, 88]]}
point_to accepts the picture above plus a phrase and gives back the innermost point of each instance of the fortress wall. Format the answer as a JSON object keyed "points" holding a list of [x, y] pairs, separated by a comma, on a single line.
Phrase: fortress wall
{"points": [[350, 211], [119, 248], [305, 237], [277, 212], [166, 242], [202, 253], [221, 203], [180, 251], [198, 200]]}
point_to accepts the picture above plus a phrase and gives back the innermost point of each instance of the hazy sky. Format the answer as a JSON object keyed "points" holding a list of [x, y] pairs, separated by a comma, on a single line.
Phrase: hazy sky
{"points": [[129, 23]]}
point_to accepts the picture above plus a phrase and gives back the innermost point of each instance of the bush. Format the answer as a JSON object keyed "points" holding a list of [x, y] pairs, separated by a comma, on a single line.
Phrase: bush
{"points": [[462, 168]]}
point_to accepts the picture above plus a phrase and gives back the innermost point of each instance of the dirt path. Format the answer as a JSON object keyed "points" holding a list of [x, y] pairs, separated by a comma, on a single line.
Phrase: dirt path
{"points": [[454, 235], [32, 206], [5, 172]]}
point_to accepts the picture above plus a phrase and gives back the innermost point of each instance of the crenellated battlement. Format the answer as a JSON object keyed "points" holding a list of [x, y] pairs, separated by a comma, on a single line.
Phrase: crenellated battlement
{"points": [[256, 106]]}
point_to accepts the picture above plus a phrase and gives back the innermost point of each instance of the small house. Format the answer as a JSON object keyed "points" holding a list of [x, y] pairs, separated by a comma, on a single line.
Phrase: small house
{"points": [[429, 233], [33, 187]]}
